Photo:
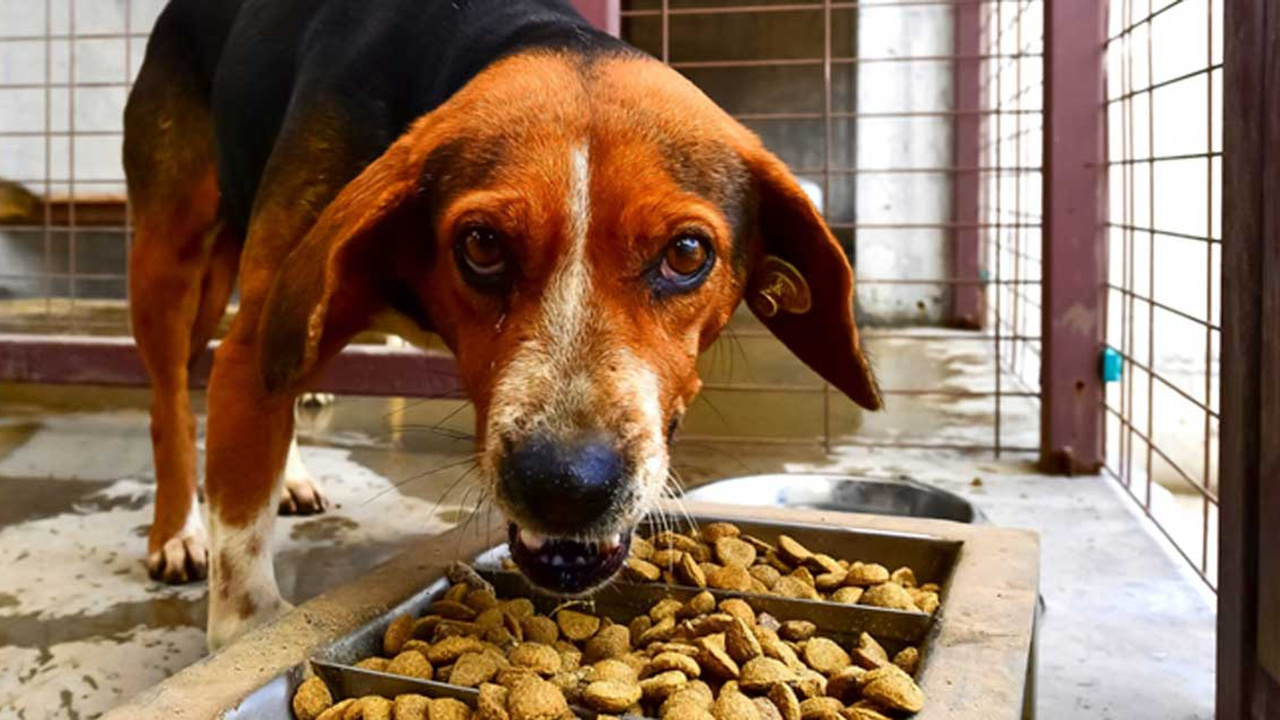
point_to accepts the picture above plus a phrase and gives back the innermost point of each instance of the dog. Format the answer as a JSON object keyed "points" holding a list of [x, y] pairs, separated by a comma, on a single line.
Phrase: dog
{"points": [[575, 219]]}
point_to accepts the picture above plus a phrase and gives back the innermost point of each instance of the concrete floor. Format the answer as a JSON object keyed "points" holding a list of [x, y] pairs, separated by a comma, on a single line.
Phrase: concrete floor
{"points": [[1127, 632]]}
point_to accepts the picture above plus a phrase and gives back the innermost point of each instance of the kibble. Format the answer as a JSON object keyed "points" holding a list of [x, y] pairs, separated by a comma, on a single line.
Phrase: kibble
{"points": [[889, 595], [694, 659], [311, 699], [410, 663], [576, 625], [411, 707], [717, 556], [541, 659], [611, 696], [892, 688]]}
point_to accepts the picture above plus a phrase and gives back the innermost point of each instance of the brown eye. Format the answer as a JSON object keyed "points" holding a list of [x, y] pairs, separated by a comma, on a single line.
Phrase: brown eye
{"points": [[481, 250], [685, 259]]}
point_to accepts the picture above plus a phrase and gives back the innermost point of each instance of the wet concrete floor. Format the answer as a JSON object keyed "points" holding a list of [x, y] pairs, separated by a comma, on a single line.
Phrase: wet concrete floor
{"points": [[1128, 633]]}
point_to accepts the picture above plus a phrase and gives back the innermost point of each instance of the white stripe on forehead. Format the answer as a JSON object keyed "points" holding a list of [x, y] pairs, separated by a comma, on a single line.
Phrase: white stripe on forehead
{"points": [[565, 306], [547, 381]]}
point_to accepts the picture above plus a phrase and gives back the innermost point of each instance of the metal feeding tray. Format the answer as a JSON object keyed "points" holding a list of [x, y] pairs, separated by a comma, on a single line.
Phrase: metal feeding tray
{"points": [[977, 650]]}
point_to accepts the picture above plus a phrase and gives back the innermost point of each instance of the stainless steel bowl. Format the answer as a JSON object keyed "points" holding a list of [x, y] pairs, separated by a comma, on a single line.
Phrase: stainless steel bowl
{"points": [[842, 493]]}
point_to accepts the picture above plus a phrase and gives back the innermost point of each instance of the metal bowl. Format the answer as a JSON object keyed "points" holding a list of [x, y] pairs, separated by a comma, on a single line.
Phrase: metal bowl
{"points": [[903, 498]]}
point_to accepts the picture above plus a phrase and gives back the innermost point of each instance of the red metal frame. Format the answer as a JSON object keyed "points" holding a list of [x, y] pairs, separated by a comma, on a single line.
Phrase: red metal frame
{"points": [[1075, 204], [358, 370], [604, 14], [1248, 677], [968, 301]]}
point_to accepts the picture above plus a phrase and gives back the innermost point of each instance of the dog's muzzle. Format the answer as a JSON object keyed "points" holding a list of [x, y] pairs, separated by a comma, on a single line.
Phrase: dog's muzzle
{"points": [[568, 498]]}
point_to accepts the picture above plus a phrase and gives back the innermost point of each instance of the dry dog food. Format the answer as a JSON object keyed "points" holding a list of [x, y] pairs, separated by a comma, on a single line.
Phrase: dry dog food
{"points": [[694, 660], [721, 557]]}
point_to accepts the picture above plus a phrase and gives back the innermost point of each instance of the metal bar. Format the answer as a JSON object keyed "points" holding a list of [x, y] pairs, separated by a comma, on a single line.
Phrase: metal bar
{"points": [[1071, 420], [1153, 448], [1162, 306], [817, 62], [1166, 382], [1248, 190], [604, 14], [78, 36], [1266, 254], [851, 442], [358, 370], [1166, 233], [827, 163], [1165, 158], [1129, 28], [879, 115], [1153, 86], [816, 389], [60, 133], [906, 334], [1207, 459], [1131, 218], [928, 225], [71, 154], [968, 303], [811, 7], [998, 418]]}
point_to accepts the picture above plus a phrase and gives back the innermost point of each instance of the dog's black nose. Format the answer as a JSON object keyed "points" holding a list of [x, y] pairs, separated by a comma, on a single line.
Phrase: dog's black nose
{"points": [[564, 485]]}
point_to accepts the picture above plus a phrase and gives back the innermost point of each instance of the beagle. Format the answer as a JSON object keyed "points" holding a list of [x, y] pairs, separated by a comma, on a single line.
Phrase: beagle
{"points": [[575, 219]]}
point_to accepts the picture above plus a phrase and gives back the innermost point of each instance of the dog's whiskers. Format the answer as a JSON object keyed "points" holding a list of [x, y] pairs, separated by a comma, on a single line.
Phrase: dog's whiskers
{"points": [[674, 490], [723, 420], [418, 476], [442, 432]]}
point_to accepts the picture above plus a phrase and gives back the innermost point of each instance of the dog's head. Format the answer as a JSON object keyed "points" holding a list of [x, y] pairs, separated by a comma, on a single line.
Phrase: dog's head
{"points": [[577, 232]]}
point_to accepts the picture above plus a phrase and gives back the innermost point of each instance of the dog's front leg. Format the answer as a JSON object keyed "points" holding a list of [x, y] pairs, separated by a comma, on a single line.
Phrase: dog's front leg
{"points": [[248, 440]]}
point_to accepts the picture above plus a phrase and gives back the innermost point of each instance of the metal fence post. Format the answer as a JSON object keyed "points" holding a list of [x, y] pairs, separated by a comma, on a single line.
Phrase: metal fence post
{"points": [[968, 297], [604, 14], [1074, 241]]}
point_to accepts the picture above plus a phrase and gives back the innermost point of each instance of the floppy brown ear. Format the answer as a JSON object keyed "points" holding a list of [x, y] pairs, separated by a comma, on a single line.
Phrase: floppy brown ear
{"points": [[801, 285], [329, 285]]}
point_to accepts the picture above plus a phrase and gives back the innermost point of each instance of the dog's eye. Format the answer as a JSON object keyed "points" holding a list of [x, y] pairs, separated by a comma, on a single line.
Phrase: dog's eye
{"points": [[480, 256], [481, 249], [686, 258]]}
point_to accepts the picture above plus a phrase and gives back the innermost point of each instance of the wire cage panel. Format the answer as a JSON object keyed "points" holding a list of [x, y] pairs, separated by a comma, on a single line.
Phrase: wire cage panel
{"points": [[1164, 318]]}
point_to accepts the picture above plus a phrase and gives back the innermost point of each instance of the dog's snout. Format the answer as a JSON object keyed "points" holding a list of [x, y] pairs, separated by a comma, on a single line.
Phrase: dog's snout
{"points": [[564, 485]]}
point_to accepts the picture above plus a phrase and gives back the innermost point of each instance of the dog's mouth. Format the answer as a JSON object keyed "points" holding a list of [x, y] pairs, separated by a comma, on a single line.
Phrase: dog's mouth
{"points": [[566, 566]]}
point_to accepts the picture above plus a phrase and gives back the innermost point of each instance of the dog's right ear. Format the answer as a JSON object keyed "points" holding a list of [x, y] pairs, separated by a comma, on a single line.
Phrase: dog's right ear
{"points": [[333, 281]]}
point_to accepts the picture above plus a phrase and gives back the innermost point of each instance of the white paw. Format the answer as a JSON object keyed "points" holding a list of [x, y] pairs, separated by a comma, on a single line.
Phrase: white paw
{"points": [[181, 559], [317, 400], [302, 496]]}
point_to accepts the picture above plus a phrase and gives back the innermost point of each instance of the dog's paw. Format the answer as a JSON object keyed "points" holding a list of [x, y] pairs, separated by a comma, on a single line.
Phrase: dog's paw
{"points": [[302, 496], [181, 559], [317, 400]]}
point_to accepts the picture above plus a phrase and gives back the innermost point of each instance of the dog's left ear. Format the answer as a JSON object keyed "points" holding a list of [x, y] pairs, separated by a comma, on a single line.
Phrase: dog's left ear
{"points": [[800, 283], [330, 284]]}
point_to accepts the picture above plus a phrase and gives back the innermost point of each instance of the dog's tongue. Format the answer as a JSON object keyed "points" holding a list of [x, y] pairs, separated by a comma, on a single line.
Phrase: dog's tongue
{"points": [[565, 566]]}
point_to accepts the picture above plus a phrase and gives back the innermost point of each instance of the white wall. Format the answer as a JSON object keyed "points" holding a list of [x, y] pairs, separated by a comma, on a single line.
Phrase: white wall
{"points": [[898, 143]]}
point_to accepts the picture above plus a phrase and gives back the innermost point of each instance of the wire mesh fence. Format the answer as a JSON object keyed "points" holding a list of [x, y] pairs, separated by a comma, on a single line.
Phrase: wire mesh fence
{"points": [[1164, 287], [65, 70], [917, 123]]}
